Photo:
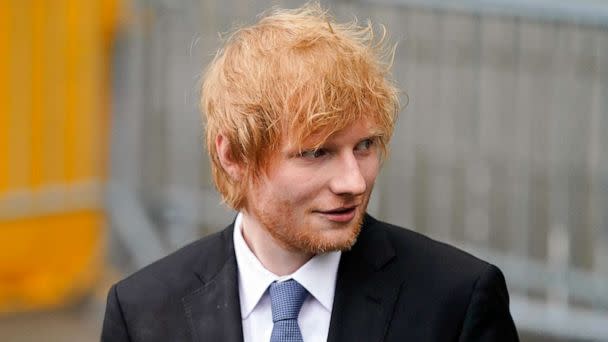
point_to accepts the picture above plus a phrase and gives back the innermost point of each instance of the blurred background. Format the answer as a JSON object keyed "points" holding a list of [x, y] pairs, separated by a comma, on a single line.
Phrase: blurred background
{"points": [[500, 151]]}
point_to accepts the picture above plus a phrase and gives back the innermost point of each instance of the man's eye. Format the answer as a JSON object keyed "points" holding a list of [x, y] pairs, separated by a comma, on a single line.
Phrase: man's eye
{"points": [[313, 154], [365, 145]]}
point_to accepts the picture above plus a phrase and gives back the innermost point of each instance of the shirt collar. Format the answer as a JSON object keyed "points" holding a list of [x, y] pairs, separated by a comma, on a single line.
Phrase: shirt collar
{"points": [[317, 276]]}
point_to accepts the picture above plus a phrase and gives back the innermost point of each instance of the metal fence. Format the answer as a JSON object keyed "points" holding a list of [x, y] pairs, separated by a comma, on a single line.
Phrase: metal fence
{"points": [[500, 150]]}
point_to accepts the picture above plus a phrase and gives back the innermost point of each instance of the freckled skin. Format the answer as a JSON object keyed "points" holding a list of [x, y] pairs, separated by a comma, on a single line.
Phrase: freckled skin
{"points": [[291, 199]]}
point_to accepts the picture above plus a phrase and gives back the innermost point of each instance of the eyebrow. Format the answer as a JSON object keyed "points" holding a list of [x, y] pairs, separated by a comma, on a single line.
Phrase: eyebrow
{"points": [[368, 137], [372, 134]]}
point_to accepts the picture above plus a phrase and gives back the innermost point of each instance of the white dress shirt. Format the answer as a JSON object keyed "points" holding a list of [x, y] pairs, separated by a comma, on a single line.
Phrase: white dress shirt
{"points": [[317, 276]]}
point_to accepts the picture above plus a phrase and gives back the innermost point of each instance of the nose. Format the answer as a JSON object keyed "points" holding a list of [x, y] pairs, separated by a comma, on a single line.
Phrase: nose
{"points": [[348, 179]]}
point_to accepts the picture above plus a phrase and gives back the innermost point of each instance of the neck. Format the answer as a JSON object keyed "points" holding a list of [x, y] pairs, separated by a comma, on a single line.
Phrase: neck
{"points": [[274, 255]]}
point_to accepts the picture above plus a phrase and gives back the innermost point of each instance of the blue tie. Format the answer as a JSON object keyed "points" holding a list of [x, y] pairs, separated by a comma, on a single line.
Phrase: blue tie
{"points": [[286, 299]]}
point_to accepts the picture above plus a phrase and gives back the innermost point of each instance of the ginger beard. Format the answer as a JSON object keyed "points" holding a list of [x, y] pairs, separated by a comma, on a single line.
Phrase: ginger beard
{"points": [[310, 234]]}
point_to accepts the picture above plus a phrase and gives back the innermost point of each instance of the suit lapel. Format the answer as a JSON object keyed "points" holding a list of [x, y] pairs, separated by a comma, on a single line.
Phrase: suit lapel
{"points": [[366, 289], [213, 310]]}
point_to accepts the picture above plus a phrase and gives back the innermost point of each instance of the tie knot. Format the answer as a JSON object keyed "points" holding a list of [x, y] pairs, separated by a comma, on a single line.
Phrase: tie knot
{"points": [[286, 299]]}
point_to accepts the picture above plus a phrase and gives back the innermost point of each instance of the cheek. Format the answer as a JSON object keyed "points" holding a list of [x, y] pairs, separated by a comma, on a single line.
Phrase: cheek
{"points": [[370, 169], [298, 186]]}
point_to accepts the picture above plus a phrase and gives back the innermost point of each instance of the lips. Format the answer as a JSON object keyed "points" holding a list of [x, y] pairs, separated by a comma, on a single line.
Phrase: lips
{"points": [[341, 214], [340, 210]]}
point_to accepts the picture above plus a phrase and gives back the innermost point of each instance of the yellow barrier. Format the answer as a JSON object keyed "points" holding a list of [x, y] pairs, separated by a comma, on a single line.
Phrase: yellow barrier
{"points": [[53, 118]]}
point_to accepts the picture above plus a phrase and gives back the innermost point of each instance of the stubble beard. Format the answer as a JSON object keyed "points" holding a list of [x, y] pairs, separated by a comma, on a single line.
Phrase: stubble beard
{"points": [[306, 237]]}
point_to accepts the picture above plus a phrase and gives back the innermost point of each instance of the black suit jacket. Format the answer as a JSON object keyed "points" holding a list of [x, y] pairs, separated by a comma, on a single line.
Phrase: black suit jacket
{"points": [[394, 285]]}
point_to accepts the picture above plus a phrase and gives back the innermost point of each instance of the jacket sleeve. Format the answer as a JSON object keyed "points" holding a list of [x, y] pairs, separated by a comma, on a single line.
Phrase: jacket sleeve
{"points": [[488, 317], [114, 325]]}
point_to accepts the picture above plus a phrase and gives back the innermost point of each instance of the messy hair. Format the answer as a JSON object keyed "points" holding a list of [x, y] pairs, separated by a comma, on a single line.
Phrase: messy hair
{"points": [[294, 75]]}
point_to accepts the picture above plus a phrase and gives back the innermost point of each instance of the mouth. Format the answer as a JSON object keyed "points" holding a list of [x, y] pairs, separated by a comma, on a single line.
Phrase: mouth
{"points": [[341, 214]]}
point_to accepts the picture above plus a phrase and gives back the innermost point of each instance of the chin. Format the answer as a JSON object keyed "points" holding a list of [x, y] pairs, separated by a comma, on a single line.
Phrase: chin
{"points": [[313, 235], [340, 238]]}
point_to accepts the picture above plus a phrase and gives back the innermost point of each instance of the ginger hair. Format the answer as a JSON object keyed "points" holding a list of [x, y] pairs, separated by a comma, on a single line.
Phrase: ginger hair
{"points": [[293, 75]]}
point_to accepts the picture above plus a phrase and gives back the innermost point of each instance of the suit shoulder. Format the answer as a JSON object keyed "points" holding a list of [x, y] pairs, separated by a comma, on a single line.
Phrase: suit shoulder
{"points": [[431, 257], [441, 284], [176, 271]]}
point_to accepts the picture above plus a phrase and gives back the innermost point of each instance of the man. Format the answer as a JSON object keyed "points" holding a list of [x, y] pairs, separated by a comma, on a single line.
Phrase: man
{"points": [[299, 113]]}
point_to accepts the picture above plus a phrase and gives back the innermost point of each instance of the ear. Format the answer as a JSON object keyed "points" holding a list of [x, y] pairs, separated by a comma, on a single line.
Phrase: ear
{"points": [[224, 152]]}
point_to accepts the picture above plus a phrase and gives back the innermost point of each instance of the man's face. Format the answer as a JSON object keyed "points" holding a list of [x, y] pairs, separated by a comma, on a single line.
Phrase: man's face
{"points": [[314, 201]]}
